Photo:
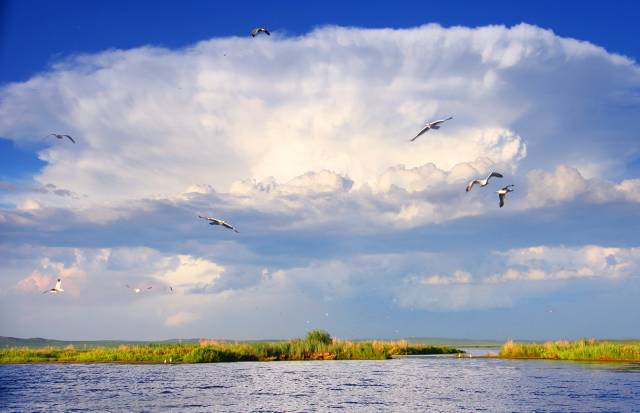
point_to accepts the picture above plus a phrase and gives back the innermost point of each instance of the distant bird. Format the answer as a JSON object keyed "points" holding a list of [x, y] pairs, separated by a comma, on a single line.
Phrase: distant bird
{"points": [[257, 30], [215, 221], [57, 289], [57, 135], [431, 125], [502, 193], [483, 182], [138, 290]]}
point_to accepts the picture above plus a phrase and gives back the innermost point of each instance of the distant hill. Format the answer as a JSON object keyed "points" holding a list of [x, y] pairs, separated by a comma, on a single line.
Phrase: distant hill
{"points": [[44, 342]]}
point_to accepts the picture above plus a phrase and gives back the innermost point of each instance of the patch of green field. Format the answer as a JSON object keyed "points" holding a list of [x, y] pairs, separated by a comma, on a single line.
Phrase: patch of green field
{"points": [[318, 345], [596, 350]]}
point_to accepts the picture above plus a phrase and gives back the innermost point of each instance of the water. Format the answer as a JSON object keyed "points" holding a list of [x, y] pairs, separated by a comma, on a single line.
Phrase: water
{"points": [[415, 384]]}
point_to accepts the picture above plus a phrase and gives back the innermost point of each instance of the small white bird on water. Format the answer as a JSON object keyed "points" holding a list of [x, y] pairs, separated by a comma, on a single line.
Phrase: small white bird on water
{"points": [[257, 30], [502, 193], [483, 182], [55, 290], [59, 136], [431, 125], [215, 221]]}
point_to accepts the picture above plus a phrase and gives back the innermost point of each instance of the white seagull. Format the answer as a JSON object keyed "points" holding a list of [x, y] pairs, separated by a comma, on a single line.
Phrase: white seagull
{"points": [[59, 136], [502, 193], [55, 290], [257, 30], [215, 221], [138, 290], [483, 182], [431, 125]]}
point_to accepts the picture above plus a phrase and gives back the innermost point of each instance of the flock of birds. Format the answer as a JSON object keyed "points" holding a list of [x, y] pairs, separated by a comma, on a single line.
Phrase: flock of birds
{"points": [[435, 125]]}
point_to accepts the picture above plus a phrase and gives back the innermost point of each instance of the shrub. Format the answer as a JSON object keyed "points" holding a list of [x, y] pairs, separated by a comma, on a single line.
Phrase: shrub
{"points": [[319, 337]]}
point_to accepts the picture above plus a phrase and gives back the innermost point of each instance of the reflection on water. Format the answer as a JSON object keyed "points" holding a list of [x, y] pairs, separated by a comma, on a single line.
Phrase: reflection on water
{"points": [[433, 384]]}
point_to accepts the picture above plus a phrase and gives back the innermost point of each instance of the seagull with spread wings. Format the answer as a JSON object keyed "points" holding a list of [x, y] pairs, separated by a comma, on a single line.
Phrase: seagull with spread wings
{"points": [[502, 193], [431, 125], [59, 136], [257, 30], [483, 182], [215, 221], [55, 290]]}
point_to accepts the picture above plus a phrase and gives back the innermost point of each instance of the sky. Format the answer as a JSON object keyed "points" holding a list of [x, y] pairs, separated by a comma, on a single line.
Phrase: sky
{"points": [[301, 140]]}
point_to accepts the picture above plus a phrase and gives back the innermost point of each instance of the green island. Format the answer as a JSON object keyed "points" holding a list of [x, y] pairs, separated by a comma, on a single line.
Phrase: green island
{"points": [[578, 350], [317, 345]]}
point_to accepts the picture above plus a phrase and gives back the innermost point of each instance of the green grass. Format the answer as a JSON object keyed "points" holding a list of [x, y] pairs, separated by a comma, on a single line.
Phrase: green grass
{"points": [[596, 350], [315, 347]]}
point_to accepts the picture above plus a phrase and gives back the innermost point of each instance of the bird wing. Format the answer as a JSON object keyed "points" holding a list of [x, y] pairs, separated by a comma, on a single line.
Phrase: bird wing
{"points": [[267, 32], [471, 184], [70, 138], [494, 174], [502, 196], [149, 287], [439, 121], [224, 224], [254, 32], [425, 129]]}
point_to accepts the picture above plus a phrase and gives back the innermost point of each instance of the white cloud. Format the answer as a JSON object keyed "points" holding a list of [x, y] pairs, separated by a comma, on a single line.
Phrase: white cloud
{"points": [[458, 277], [543, 263], [181, 318], [34, 282], [566, 184], [151, 122], [189, 271]]}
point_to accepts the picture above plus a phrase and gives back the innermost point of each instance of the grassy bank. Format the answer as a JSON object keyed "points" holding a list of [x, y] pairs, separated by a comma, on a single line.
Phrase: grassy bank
{"points": [[596, 350], [316, 346]]}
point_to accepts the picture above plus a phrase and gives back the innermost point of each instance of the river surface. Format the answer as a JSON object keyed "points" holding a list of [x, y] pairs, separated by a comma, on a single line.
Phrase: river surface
{"points": [[434, 384]]}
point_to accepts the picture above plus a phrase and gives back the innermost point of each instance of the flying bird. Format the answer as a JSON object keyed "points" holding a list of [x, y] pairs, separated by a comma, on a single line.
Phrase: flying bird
{"points": [[55, 290], [138, 290], [59, 136], [431, 125], [483, 182], [257, 30], [215, 221], [502, 193]]}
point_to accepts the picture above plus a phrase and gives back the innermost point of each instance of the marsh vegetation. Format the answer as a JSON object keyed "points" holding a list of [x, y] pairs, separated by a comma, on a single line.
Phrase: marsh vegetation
{"points": [[317, 345], [596, 350]]}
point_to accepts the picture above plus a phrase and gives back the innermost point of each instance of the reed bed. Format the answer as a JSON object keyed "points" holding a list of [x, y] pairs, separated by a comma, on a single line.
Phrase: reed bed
{"points": [[211, 351], [584, 349]]}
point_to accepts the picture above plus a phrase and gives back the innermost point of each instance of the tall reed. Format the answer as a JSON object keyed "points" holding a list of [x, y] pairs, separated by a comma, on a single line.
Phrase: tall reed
{"points": [[583, 349]]}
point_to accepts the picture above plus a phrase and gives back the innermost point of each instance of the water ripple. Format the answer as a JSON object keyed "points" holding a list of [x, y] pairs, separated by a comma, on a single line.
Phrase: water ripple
{"points": [[428, 384]]}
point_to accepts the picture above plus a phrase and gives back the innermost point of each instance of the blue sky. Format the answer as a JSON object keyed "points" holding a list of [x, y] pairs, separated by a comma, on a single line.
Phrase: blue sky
{"points": [[300, 140]]}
